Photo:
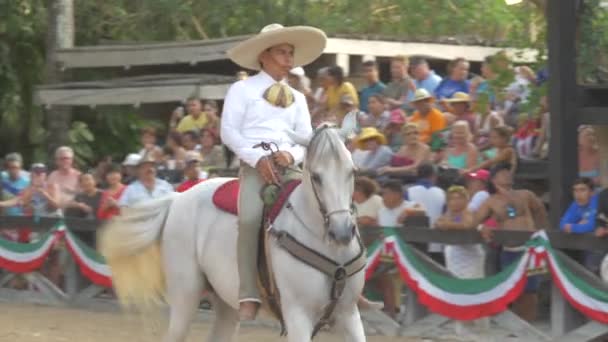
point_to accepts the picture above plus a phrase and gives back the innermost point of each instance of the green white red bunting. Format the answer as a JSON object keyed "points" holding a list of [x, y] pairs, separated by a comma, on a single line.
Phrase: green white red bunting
{"points": [[461, 299]]}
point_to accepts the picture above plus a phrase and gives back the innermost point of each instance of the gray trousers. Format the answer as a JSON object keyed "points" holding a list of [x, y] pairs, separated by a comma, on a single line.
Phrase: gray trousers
{"points": [[250, 221]]}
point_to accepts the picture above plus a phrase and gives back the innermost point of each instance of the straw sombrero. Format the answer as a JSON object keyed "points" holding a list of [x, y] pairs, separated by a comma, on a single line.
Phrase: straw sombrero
{"points": [[369, 133], [308, 42], [459, 97], [421, 94]]}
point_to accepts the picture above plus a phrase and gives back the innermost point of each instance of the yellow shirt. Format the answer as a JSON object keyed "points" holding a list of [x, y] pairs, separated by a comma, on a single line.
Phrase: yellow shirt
{"points": [[188, 123], [334, 94]]}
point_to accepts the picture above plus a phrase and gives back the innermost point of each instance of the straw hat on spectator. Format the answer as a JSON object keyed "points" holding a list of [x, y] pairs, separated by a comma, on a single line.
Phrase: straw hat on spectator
{"points": [[147, 158], [459, 97], [368, 133], [308, 42], [422, 94]]}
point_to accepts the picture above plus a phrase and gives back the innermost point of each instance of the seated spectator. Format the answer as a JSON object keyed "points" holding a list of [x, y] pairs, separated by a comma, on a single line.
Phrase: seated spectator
{"points": [[428, 118], [459, 108], [393, 130], [588, 153], [456, 81], [393, 213], [102, 166], [373, 84], [212, 109], [462, 154], [40, 198], [192, 172], [87, 202], [211, 152], [376, 116], [464, 261], [174, 153], [488, 120], [146, 187], [190, 140], [426, 192], [366, 201], [149, 145], [108, 207], [196, 119], [501, 152], [371, 152], [424, 77], [338, 87], [580, 218], [66, 177], [130, 168], [13, 181], [400, 90], [411, 154]]}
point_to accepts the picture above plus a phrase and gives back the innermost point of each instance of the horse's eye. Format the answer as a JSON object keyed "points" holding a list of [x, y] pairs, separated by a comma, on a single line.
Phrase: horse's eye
{"points": [[316, 178]]}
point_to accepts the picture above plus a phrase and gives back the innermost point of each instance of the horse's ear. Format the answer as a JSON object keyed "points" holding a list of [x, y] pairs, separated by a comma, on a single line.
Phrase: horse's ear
{"points": [[350, 125], [299, 139]]}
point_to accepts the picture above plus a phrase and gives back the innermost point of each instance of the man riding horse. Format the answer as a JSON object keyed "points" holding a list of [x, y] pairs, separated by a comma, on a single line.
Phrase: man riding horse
{"points": [[258, 109]]}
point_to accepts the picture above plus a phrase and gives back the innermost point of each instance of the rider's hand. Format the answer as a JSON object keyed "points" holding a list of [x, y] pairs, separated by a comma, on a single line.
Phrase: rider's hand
{"points": [[283, 158], [266, 170]]}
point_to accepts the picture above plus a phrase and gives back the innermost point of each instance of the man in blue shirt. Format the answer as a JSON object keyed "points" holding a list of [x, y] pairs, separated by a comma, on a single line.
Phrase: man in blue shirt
{"points": [[374, 86], [13, 182], [424, 77], [147, 186]]}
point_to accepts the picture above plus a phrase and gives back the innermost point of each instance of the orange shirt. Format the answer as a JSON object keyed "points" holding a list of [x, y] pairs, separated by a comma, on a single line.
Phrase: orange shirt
{"points": [[434, 121]]}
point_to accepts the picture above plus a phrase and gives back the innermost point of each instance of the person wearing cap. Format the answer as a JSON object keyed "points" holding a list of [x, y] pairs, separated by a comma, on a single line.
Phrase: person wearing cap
{"points": [[263, 108], [337, 88], [428, 118], [377, 115], [459, 108], [13, 181], [130, 167], [392, 131], [147, 186], [516, 210], [192, 172], [371, 152], [373, 84], [477, 185]]}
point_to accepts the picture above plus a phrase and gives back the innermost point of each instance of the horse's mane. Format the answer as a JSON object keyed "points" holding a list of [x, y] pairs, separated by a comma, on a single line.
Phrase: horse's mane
{"points": [[326, 142]]}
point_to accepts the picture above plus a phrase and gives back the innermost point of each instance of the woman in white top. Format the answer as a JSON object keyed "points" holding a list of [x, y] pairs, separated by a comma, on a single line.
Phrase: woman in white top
{"points": [[367, 201]]}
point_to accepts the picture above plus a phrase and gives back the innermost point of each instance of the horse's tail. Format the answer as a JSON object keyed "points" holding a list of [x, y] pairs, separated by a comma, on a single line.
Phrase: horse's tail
{"points": [[131, 245]]}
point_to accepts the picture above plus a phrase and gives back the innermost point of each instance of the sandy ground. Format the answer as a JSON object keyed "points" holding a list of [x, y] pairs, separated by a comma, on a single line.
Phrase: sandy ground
{"points": [[29, 323]]}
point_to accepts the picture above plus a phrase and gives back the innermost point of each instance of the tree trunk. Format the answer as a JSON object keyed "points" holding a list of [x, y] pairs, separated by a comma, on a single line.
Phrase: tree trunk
{"points": [[60, 35]]}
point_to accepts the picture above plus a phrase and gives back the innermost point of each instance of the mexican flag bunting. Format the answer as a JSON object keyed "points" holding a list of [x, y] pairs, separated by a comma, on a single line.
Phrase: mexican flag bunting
{"points": [[27, 257], [91, 263], [373, 258]]}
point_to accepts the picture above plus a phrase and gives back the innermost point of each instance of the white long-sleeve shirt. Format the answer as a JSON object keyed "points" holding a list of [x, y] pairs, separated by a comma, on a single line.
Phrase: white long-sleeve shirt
{"points": [[249, 119]]}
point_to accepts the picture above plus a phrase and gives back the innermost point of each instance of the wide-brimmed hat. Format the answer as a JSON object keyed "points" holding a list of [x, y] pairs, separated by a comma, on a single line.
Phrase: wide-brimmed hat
{"points": [[459, 97], [308, 42], [368, 133], [421, 94], [132, 159]]}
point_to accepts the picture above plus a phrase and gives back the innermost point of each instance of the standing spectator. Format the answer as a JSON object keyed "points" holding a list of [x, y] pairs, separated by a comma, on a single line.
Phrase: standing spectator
{"points": [[366, 201], [190, 140], [459, 108], [462, 154], [374, 85], [393, 213], [377, 116], [148, 142], [428, 118], [411, 154], [432, 198], [401, 88], [66, 177], [477, 185], [424, 77], [541, 148], [580, 218], [501, 152], [13, 182], [371, 151], [393, 131], [588, 153], [196, 118], [146, 187], [192, 172], [458, 72], [338, 87], [130, 168], [212, 153], [519, 210], [87, 202], [108, 206]]}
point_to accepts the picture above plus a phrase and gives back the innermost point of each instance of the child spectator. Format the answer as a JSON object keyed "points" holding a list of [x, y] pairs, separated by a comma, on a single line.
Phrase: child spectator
{"points": [[366, 201], [190, 140], [108, 207], [87, 202], [148, 142]]}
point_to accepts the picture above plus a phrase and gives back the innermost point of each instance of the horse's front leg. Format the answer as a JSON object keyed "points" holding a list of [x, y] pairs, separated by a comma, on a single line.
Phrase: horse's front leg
{"points": [[349, 325], [298, 323]]}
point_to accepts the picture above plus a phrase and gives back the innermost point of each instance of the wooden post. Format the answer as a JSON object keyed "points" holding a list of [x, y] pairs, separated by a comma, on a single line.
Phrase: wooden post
{"points": [[564, 317]]}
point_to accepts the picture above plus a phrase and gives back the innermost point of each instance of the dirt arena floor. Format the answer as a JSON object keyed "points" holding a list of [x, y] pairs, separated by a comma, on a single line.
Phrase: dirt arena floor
{"points": [[30, 323]]}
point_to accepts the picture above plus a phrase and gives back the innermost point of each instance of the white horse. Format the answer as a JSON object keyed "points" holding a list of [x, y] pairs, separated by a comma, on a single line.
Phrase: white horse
{"points": [[174, 248]]}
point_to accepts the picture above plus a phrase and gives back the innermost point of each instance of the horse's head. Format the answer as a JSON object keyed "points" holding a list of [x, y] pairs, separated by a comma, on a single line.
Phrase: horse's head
{"points": [[329, 174]]}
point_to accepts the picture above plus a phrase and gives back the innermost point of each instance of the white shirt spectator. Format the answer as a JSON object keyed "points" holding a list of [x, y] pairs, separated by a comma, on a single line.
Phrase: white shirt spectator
{"points": [[432, 198], [477, 200], [366, 160], [369, 208], [136, 192], [388, 217], [249, 119]]}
